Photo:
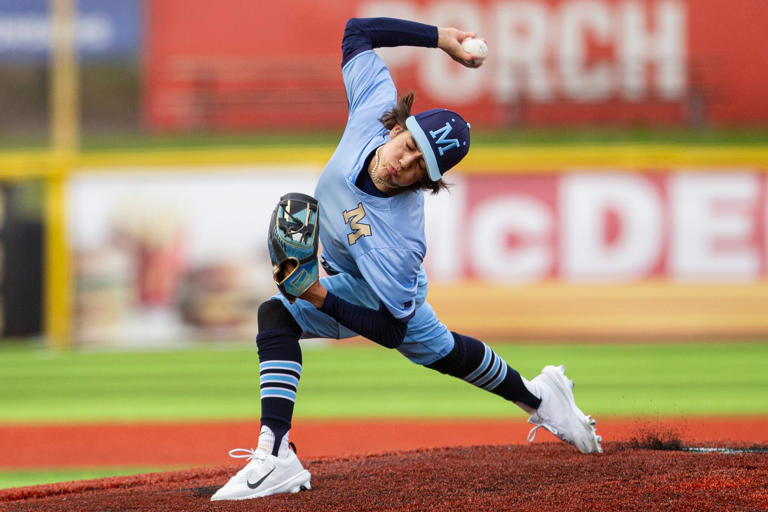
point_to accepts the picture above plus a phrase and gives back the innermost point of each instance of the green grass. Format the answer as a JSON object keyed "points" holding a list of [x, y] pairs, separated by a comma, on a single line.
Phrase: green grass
{"points": [[367, 381], [37, 477]]}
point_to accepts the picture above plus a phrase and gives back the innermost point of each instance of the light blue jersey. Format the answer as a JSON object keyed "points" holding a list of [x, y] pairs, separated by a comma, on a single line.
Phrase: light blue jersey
{"points": [[377, 244], [380, 239]]}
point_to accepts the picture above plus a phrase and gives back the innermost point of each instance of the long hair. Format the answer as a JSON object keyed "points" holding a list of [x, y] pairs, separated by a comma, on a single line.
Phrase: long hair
{"points": [[397, 117]]}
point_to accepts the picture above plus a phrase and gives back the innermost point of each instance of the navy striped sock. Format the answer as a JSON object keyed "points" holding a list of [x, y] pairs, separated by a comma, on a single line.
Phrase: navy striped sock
{"points": [[475, 362], [279, 374], [491, 371], [279, 379]]}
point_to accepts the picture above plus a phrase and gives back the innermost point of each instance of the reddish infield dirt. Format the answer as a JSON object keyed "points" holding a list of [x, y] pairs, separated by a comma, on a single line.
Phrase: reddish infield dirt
{"points": [[542, 477], [644, 468], [191, 444]]}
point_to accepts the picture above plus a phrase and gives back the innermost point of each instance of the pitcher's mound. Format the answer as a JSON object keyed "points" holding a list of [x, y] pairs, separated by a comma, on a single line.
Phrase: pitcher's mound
{"points": [[541, 477]]}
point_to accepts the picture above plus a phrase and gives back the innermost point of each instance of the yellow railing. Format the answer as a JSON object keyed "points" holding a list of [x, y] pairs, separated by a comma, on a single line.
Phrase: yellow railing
{"points": [[488, 159]]}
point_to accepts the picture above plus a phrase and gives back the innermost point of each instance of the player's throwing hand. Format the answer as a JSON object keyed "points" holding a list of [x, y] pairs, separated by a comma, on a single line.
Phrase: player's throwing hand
{"points": [[449, 40]]}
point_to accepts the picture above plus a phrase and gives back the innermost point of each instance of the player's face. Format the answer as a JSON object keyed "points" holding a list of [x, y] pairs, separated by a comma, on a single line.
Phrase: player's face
{"points": [[401, 163]]}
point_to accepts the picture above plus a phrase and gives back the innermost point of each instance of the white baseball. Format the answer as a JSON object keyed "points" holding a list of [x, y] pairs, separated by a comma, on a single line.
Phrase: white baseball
{"points": [[475, 47]]}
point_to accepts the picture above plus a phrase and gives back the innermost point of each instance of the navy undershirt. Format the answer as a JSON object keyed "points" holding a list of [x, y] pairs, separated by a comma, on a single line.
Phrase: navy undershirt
{"points": [[379, 326], [364, 181], [363, 34]]}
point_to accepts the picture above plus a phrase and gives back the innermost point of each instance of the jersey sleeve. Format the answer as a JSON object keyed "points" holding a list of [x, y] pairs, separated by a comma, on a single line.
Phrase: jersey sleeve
{"points": [[394, 277], [367, 80], [369, 86]]}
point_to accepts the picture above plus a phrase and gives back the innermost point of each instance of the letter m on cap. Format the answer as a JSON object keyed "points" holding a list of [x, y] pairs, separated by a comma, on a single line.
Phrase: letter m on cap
{"points": [[444, 144]]}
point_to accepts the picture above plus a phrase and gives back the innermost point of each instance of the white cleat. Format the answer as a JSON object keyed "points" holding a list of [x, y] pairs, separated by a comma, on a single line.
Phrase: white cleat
{"points": [[559, 414], [264, 475]]}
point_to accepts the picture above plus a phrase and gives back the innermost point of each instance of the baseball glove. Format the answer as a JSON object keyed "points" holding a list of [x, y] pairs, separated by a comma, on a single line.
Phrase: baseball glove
{"points": [[292, 241]]}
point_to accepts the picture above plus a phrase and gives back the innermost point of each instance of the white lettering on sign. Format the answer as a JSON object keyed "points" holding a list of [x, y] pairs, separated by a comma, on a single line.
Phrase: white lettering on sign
{"points": [[521, 34], [602, 227], [462, 87], [714, 219], [586, 200], [584, 51], [582, 21], [528, 223], [445, 221], [664, 48]]}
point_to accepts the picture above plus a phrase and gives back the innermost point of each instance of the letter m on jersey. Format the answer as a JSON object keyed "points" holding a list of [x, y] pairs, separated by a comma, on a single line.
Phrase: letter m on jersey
{"points": [[353, 218], [443, 143]]}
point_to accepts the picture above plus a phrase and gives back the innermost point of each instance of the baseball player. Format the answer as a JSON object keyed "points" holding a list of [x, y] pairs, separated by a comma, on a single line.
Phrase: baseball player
{"points": [[368, 212]]}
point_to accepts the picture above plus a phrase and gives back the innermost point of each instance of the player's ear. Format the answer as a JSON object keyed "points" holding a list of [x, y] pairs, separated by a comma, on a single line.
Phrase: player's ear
{"points": [[395, 131]]}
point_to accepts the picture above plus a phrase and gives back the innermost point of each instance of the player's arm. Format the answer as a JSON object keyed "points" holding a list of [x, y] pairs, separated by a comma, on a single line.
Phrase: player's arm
{"points": [[361, 34], [376, 325], [292, 242]]}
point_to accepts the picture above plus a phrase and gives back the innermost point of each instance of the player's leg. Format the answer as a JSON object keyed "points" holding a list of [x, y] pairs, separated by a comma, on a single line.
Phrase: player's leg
{"points": [[272, 468], [281, 324], [548, 397], [476, 363], [429, 343], [280, 366]]}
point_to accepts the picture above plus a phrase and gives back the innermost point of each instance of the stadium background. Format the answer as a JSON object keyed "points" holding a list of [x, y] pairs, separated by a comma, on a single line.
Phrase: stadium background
{"points": [[616, 190]]}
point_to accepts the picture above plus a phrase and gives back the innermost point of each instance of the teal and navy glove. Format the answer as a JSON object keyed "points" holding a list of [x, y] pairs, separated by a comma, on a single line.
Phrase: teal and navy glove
{"points": [[292, 241]]}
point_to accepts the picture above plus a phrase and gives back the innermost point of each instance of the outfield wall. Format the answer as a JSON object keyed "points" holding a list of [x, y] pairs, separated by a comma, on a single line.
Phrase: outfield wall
{"points": [[164, 251], [554, 62]]}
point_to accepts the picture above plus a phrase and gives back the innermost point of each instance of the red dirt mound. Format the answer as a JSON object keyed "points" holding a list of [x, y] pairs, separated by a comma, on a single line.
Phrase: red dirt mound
{"points": [[541, 477]]}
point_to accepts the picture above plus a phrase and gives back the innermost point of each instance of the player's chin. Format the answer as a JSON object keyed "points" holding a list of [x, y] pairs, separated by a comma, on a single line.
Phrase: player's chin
{"points": [[400, 186]]}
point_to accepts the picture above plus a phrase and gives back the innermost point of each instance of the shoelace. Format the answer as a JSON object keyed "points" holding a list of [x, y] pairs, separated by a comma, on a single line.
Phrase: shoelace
{"points": [[534, 430], [251, 454], [245, 453], [532, 433]]}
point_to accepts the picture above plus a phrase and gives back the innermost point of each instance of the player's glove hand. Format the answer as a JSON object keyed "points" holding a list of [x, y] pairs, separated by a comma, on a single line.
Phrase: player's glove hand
{"points": [[292, 241]]}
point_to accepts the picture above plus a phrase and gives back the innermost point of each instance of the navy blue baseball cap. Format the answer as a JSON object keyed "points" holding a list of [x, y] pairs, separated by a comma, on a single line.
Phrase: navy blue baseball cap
{"points": [[443, 138]]}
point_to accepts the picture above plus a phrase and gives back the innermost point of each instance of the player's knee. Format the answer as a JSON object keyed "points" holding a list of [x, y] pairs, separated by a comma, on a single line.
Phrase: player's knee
{"points": [[273, 314], [466, 355], [451, 361]]}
